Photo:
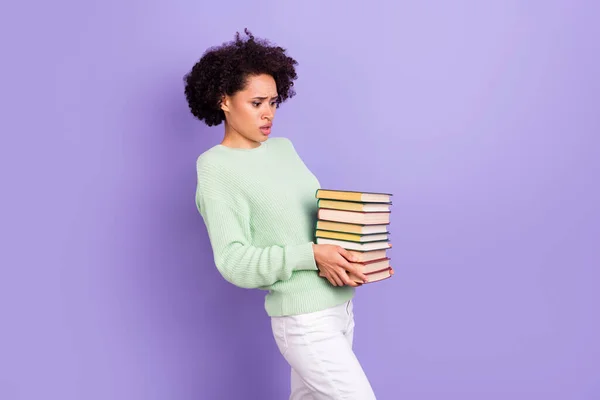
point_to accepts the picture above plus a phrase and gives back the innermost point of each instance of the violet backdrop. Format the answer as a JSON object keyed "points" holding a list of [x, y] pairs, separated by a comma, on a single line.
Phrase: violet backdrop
{"points": [[481, 117]]}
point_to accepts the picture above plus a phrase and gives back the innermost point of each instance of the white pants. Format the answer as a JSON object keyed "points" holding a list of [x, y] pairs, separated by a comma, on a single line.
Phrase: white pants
{"points": [[318, 347]]}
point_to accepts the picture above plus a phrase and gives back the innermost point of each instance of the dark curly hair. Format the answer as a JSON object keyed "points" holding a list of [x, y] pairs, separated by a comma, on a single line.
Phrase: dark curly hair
{"points": [[223, 70]]}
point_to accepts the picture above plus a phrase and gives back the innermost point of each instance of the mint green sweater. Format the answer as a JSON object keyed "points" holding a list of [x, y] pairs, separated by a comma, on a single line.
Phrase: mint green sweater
{"points": [[259, 209]]}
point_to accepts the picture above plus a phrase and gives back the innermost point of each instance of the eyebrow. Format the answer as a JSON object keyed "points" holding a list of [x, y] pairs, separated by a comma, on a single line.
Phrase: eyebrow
{"points": [[264, 98]]}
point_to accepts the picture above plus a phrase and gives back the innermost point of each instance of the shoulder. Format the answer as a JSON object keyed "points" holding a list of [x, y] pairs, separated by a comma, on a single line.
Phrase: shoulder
{"points": [[214, 178], [208, 157], [280, 141], [216, 160], [283, 144], [212, 168]]}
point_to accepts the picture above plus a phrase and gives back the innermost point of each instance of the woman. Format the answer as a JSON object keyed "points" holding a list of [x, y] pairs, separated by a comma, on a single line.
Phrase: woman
{"points": [[257, 199]]}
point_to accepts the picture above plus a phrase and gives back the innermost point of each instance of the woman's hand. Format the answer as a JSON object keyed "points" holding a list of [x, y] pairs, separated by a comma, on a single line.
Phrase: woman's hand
{"points": [[333, 262]]}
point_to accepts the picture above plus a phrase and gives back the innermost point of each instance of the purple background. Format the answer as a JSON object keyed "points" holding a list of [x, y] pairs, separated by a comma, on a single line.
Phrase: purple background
{"points": [[482, 119]]}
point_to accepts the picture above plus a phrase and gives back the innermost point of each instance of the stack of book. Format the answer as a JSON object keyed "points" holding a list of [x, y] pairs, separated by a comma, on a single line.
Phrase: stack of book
{"points": [[358, 222]]}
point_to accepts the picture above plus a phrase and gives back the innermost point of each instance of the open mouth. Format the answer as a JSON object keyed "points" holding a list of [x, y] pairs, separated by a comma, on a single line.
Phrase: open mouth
{"points": [[266, 129]]}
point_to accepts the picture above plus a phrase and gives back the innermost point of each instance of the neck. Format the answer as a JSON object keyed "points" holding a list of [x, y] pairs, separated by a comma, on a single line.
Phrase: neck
{"points": [[232, 138]]}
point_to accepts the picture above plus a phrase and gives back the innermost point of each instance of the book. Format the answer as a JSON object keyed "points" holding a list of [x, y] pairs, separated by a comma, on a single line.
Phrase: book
{"points": [[374, 276], [353, 206], [351, 237], [354, 217], [366, 256], [369, 267], [358, 222], [367, 197], [351, 228], [380, 245]]}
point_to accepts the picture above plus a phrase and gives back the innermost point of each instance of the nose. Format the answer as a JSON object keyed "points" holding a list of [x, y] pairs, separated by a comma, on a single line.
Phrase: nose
{"points": [[268, 114]]}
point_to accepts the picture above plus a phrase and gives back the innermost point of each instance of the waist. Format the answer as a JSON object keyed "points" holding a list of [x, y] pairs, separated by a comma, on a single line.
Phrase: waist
{"points": [[304, 292]]}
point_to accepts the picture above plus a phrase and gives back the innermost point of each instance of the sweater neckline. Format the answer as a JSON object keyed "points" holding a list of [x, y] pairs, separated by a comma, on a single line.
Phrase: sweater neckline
{"points": [[243, 149]]}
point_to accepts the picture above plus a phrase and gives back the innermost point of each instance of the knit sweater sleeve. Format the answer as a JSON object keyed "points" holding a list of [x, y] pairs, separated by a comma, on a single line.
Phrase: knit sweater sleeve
{"points": [[238, 261]]}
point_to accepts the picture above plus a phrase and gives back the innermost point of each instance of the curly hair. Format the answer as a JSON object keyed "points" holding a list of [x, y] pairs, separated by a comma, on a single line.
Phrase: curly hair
{"points": [[223, 70]]}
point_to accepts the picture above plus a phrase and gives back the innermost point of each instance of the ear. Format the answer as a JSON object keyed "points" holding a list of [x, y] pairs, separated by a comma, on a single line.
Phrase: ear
{"points": [[224, 103]]}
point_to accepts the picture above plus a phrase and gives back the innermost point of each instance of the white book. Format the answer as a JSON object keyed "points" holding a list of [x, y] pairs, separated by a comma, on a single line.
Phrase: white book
{"points": [[367, 246]]}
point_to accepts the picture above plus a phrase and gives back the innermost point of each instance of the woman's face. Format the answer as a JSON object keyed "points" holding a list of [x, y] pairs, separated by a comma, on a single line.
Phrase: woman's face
{"points": [[249, 113]]}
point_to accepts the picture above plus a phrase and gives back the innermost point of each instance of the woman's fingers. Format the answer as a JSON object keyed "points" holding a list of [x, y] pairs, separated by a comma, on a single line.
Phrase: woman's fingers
{"points": [[355, 270], [337, 271], [328, 277], [337, 279], [346, 254], [345, 264], [344, 276]]}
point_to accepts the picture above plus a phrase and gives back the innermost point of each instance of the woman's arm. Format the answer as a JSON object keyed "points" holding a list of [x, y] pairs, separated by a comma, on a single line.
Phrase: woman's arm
{"points": [[241, 263]]}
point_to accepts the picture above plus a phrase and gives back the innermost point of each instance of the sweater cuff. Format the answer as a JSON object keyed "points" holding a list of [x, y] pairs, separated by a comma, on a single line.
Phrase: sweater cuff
{"points": [[301, 257]]}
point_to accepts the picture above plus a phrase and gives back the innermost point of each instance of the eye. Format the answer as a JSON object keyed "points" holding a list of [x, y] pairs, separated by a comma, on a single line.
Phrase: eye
{"points": [[256, 104]]}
